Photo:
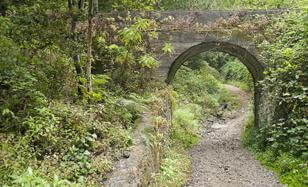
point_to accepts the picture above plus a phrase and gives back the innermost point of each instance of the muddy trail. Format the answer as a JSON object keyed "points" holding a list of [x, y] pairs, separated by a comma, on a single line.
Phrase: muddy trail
{"points": [[220, 160]]}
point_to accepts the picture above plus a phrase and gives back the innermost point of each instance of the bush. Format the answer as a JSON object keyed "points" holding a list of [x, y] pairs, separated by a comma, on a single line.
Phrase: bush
{"points": [[31, 178], [196, 86], [64, 137], [185, 127], [286, 81], [174, 168], [237, 74], [202, 87]]}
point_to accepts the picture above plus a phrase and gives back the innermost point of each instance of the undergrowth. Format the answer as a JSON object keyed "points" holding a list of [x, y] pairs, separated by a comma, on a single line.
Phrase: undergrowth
{"points": [[56, 118], [186, 125], [169, 140], [291, 170], [281, 142], [76, 143], [175, 167], [235, 73], [198, 93], [203, 87]]}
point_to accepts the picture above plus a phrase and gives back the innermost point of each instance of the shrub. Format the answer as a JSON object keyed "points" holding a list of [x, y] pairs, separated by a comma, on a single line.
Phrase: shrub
{"points": [[31, 178], [203, 87], [174, 168], [286, 82], [236, 73], [185, 127]]}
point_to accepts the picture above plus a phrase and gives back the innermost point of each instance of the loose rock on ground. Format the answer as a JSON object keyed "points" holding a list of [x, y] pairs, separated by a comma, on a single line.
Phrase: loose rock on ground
{"points": [[220, 160]]}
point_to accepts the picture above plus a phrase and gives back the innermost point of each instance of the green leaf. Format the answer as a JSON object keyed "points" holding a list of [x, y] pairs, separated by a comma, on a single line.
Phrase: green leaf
{"points": [[148, 61], [168, 49]]}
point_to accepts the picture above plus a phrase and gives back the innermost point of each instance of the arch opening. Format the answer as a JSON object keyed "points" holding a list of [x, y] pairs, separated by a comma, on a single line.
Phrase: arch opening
{"points": [[254, 66]]}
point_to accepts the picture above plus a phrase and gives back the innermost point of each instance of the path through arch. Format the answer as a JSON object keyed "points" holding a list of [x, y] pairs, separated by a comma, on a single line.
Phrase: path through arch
{"points": [[254, 66]]}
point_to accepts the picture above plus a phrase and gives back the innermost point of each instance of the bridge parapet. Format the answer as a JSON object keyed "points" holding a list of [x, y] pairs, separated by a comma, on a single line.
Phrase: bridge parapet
{"points": [[190, 18]]}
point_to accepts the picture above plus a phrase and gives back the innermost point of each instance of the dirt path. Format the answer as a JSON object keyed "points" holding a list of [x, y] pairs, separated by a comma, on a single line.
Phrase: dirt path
{"points": [[219, 160]]}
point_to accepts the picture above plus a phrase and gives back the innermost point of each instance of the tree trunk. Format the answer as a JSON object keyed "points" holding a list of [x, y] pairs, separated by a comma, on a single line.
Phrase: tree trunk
{"points": [[90, 30], [81, 4], [76, 57], [95, 7]]}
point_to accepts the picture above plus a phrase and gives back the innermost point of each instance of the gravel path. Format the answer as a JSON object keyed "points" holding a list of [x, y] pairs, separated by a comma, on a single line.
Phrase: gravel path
{"points": [[219, 160]]}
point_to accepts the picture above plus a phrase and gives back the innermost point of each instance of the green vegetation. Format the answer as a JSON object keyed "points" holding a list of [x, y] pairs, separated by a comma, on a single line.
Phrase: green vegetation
{"points": [[235, 73], [198, 83], [175, 167], [291, 169], [55, 116], [32, 179], [70, 98], [185, 126], [198, 92], [231, 4], [281, 144], [286, 78], [225, 68]]}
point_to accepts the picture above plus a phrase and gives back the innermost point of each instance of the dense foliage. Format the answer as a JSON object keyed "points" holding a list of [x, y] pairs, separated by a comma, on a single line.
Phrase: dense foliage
{"points": [[231, 69], [281, 143], [286, 80], [202, 86], [50, 122], [237, 74], [61, 125]]}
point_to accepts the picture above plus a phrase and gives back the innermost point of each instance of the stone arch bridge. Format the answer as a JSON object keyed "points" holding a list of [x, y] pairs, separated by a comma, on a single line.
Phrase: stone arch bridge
{"points": [[191, 33]]}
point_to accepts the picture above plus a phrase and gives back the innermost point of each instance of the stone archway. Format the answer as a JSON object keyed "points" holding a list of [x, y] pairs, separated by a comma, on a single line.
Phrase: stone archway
{"points": [[193, 32], [246, 56]]}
